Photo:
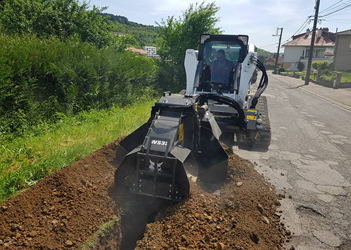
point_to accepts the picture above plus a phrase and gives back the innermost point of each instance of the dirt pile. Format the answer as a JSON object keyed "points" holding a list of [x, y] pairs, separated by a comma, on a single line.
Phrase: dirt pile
{"points": [[241, 215], [66, 210], [63, 210]]}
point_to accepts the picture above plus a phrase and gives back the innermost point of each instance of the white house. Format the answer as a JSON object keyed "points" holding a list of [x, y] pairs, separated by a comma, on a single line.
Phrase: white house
{"points": [[298, 49], [342, 53], [150, 50]]}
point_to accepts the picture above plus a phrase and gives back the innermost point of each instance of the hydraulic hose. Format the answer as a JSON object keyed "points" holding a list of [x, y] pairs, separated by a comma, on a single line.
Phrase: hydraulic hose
{"points": [[226, 100], [262, 86]]}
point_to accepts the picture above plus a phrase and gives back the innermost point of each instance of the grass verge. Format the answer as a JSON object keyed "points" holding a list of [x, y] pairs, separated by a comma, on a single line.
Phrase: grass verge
{"points": [[346, 76], [47, 148]]}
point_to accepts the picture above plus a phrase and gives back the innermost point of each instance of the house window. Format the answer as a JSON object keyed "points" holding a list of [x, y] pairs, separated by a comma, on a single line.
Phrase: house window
{"points": [[319, 53]]}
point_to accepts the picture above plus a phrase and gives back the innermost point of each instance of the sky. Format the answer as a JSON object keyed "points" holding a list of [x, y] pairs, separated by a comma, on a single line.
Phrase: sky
{"points": [[257, 18]]}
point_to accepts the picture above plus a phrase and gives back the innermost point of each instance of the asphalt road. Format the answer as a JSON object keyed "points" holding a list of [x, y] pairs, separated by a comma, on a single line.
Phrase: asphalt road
{"points": [[309, 159]]}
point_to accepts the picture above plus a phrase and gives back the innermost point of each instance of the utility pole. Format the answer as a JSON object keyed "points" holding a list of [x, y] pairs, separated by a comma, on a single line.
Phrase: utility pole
{"points": [[309, 64], [277, 56]]}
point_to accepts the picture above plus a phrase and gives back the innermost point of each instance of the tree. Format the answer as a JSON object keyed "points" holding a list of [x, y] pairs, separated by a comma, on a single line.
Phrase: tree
{"points": [[182, 33], [300, 66], [60, 18]]}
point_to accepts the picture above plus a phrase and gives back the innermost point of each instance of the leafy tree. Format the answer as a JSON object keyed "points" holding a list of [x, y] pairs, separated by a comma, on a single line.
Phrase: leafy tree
{"points": [[60, 18], [182, 33]]}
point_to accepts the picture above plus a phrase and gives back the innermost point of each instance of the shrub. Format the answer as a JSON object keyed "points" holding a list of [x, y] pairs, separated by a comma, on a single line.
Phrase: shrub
{"points": [[320, 65], [42, 77], [300, 66], [281, 69]]}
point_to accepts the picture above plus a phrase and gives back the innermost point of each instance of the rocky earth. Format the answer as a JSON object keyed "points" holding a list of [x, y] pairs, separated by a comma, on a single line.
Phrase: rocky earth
{"points": [[241, 215], [65, 210]]}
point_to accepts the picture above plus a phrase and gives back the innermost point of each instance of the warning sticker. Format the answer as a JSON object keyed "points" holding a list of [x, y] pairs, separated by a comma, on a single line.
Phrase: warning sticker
{"points": [[181, 132], [251, 117]]}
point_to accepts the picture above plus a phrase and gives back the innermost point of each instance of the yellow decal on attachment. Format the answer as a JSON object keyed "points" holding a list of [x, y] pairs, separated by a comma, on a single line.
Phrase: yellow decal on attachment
{"points": [[181, 132], [251, 117], [252, 110]]}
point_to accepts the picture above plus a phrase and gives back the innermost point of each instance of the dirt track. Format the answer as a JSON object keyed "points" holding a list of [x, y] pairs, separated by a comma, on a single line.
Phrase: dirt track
{"points": [[65, 209]]}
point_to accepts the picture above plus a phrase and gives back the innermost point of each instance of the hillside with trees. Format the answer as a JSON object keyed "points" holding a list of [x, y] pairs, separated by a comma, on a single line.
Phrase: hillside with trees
{"points": [[143, 34]]}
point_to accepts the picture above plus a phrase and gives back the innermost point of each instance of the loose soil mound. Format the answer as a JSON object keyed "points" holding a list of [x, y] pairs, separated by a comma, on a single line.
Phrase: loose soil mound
{"points": [[241, 215], [64, 210]]}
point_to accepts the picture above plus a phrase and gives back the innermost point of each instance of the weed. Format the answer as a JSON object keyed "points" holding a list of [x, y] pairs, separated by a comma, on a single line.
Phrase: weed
{"points": [[106, 230]]}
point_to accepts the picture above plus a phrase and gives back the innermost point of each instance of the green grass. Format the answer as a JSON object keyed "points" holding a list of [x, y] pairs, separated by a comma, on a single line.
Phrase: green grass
{"points": [[105, 230], [300, 74], [346, 77], [47, 148]]}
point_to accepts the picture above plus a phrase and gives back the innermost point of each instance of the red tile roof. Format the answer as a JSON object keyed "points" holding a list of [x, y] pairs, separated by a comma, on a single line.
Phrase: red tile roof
{"points": [[272, 59], [137, 51], [327, 39]]}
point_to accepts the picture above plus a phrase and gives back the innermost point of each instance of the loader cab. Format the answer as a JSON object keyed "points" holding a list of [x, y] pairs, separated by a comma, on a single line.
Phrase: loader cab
{"points": [[219, 63]]}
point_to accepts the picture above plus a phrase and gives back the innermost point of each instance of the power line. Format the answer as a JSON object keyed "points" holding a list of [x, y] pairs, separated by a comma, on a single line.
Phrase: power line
{"points": [[340, 13], [302, 26], [299, 29], [268, 45], [335, 11], [297, 13], [294, 12], [340, 3]]}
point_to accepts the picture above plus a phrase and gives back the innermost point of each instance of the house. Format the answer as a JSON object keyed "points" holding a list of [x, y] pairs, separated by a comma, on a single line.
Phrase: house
{"points": [[298, 49], [342, 51], [270, 61], [150, 50], [137, 51]]}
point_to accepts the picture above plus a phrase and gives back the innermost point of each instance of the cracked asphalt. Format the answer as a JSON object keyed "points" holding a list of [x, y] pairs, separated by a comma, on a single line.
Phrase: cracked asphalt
{"points": [[309, 161]]}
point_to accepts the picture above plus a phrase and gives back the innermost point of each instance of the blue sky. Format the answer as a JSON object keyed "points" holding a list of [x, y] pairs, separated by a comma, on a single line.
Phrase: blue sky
{"points": [[258, 19]]}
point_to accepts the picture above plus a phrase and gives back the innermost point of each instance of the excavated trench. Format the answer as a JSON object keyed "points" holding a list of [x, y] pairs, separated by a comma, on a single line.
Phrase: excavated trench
{"points": [[64, 211], [137, 212]]}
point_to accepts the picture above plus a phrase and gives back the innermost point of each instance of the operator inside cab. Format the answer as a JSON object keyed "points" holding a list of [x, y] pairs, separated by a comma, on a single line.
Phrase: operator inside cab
{"points": [[221, 67]]}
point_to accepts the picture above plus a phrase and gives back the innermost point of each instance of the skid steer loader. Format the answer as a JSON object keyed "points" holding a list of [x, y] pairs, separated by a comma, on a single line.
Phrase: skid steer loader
{"points": [[180, 141]]}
